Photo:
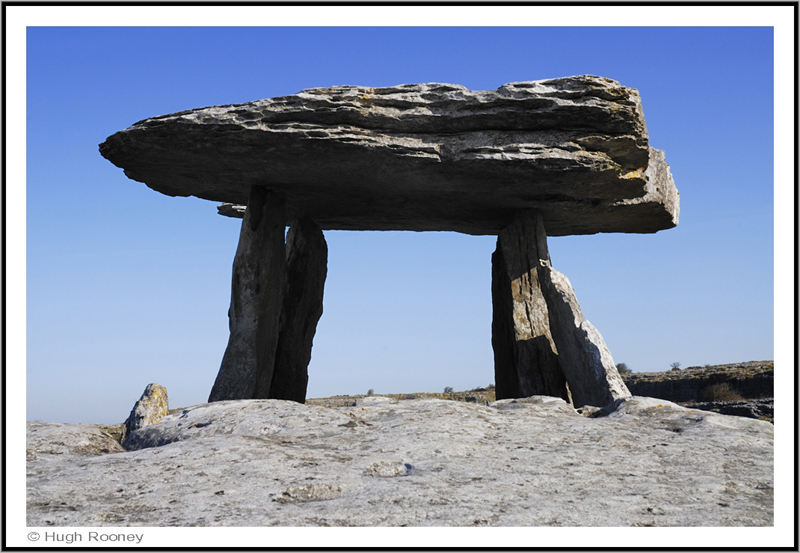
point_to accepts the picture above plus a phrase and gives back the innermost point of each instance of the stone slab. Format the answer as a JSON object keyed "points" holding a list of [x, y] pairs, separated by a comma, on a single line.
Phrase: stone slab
{"points": [[426, 156]]}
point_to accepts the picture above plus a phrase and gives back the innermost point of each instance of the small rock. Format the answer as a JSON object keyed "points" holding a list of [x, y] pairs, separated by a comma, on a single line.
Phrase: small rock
{"points": [[303, 494], [151, 408]]}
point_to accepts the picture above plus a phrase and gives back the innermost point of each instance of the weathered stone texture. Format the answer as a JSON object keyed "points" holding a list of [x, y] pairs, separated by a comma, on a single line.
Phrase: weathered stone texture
{"points": [[306, 269], [426, 156], [67, 441], [259, 273], [531, 462], [763, 409], [429, 156], [752, 379], [539, 333], [526, 358], [582, 353], [150, 409]]}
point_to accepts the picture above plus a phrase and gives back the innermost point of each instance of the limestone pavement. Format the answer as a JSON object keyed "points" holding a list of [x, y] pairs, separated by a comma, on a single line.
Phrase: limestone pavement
{"points": [[423, 462]]}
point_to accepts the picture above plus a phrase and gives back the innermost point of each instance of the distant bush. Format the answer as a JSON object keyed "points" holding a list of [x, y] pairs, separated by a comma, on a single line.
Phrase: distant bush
{"points": [[622, 368], [720, 392], [370, 392], [448, 389], [675, 366]]}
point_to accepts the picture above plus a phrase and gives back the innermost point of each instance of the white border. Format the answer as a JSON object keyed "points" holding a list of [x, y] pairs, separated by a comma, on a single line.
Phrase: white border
{"points": [[779, 17]]}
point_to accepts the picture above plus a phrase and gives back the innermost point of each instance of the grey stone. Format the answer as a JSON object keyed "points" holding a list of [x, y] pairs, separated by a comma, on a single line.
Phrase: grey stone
{"points": [[45, 439], [525, 355], [590, 370], [543, 344], [420, 157], [151, 408], [259, 275], [424, 462], [754, 409], [306, 269], [751, 379]]}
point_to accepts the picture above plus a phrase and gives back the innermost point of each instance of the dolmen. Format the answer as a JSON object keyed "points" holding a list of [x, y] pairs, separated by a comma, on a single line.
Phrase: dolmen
{"points": [[530, 159]]}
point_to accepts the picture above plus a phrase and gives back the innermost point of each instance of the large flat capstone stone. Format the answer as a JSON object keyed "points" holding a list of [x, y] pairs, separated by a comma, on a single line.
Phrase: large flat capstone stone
{"points": [[420, 157]]}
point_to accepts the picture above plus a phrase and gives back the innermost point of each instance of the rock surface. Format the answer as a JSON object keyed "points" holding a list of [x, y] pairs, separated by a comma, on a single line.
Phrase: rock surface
{"points": [[67, 441], [752, 380], [756, 409], [151, 408], [530, 462], [420, 157]]}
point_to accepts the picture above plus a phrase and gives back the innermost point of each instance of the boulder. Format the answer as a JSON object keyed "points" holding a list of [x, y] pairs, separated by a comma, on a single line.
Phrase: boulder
{"points": [[428, 156], [420, 462], [151, 408]]}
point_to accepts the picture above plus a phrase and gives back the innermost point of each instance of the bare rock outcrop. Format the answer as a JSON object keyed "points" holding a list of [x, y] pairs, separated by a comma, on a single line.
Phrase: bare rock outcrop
{"points": [[422, 462], [751, 380], [68, 441]]}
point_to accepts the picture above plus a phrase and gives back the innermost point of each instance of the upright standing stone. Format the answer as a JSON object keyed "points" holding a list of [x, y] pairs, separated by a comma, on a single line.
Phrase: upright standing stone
{"points": [[526, 357], [306, 269], [259, 272], [587, 364], [151, 408], [543, 344]]}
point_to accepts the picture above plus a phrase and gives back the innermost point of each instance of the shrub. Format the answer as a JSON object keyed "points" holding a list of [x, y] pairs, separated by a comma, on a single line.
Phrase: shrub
{"points": [[721, 392], [675, 366], [370, 392], [448, 389], [622, 368]]}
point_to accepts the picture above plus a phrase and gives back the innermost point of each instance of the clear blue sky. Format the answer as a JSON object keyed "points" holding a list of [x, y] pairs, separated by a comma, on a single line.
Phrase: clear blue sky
{"points": [[126, 286]]}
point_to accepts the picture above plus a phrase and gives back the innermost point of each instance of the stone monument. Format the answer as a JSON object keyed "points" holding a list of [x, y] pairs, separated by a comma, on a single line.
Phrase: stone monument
{"points": [[530, 159]]}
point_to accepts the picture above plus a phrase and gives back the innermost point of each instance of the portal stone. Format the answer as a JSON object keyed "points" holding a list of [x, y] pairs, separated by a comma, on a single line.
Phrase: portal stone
{"points": [[259, 272], [307, 267], [543, 344], [587, 364], [526, 357]]}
